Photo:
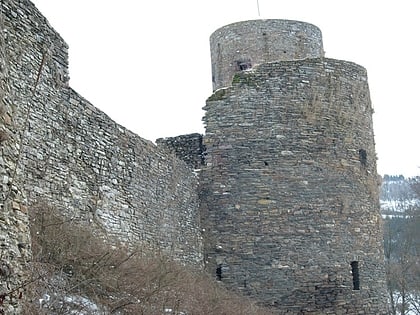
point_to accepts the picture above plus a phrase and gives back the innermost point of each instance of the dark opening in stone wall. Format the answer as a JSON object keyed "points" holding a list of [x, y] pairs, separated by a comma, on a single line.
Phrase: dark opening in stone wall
{"points": [[244, 64], [219, 273], [363, 157], [355, 273]]}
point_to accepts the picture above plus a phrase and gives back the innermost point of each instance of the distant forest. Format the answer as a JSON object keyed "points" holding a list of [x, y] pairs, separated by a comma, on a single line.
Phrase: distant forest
{"points": [[400, 207]]}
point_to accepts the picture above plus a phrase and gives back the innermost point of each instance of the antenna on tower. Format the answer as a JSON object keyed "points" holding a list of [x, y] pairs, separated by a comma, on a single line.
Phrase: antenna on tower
{"points": [[258, 6]]}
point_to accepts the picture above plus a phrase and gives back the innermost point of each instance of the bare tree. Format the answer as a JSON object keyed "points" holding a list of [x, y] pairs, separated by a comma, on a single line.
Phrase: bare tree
{"points": [[74, 271], [402, 252]]}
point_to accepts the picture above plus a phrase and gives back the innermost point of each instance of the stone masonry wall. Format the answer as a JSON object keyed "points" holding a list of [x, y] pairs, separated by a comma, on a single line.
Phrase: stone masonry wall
{"points": [[290, 191], [188, 148], [14, 224], [243, 45], [60, 150], [21, 57], [96, 170], [288, 194]]}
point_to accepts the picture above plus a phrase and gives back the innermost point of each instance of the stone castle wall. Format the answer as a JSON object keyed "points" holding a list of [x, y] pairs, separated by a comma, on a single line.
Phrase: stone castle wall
{"points": [[21, 57], [290, 191], [287, 199], [188, 148], [96, 170], [59, 150]]}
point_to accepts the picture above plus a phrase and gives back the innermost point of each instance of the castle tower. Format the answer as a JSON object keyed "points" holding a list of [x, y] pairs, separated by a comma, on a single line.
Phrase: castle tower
{"points": [[240, 46], [289, 190]]}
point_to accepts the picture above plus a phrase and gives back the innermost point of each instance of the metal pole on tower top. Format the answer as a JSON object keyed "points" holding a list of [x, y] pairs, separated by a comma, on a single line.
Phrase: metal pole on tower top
{"points": [[258, 6]]}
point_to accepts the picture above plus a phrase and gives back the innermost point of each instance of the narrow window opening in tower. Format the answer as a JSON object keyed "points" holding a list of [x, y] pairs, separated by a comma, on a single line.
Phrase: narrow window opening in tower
{"points": [[243, 64], [355, 273], [363, 157], [219, 273]]}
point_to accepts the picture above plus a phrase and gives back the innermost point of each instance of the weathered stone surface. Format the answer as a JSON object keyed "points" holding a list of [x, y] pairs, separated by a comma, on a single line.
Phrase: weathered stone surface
{"points": [[64, 152], [290, 191], [243, 45], [188, 148]]}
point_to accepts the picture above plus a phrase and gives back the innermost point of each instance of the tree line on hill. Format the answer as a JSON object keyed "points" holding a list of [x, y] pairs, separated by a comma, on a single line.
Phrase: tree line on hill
{"points": [[400, 206]]}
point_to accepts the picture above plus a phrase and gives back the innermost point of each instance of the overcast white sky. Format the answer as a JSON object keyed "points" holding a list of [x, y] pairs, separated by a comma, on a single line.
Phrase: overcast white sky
{"points": [[147, 63]]}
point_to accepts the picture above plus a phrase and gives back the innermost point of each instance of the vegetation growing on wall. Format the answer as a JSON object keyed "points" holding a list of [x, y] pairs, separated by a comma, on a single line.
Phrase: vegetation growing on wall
{"points": [[74, 270]]}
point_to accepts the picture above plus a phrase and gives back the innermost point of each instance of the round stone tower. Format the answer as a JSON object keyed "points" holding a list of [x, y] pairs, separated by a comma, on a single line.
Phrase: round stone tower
{"points": [[241, 46], [289, 191]]}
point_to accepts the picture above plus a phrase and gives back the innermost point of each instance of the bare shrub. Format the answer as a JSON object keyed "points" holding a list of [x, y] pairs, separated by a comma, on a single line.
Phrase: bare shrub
{"points": [[75, 272]]}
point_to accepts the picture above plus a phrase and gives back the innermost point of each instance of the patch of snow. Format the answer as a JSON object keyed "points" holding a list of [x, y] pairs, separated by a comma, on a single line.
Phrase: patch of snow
{"points": [[70, 304]]}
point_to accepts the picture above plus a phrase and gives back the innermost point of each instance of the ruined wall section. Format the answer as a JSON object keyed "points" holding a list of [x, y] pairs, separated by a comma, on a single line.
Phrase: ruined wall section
{"points": [[188, 148], [60, 150], [243, 45], [290, 190]]}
